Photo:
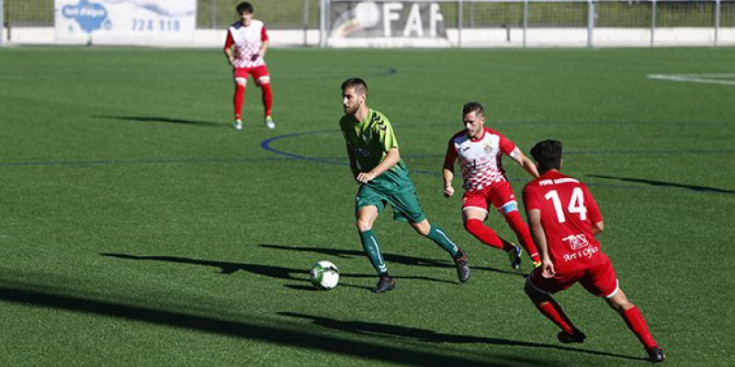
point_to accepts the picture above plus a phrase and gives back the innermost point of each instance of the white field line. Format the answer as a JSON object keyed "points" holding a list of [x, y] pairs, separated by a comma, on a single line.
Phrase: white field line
{"points": [[697, 78]]}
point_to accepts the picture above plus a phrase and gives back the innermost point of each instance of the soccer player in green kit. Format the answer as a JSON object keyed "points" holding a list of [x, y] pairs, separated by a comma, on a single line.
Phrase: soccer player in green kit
{"points": [[383, 179]]}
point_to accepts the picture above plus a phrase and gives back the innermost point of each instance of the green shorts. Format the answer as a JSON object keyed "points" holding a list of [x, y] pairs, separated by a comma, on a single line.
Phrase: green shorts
{"points": [[405, 203]]}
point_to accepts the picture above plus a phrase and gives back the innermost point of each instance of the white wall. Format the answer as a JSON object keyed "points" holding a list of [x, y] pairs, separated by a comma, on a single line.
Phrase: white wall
{"points": [[491, 37]]}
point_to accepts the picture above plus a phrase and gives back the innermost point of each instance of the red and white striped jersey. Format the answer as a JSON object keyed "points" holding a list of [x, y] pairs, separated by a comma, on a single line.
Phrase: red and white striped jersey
{"points": [[480, 160], [247, 41]]}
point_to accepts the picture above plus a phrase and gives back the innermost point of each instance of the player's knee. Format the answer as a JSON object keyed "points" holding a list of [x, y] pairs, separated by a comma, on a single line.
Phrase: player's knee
{"points": [[241, 82], [532, 293], [264, 80], [619, 302], [423, 228], [509, 208], [363, 225]]}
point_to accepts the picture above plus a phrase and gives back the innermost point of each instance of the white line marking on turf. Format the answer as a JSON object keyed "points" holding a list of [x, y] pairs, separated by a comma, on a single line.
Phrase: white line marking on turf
{"points": [[697, 78]]}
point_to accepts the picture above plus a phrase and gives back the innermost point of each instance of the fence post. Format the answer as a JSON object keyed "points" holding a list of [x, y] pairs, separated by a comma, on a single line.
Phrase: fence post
{"points": [[590, 21], [306, 22], [718, 15], [459, 23], [653, 21], [323, 23], [212, 14], [525, 21], [2, 23]]}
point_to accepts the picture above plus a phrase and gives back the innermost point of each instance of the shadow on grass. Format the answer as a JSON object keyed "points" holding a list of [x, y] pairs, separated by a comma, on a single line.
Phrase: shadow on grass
{"points": [[167, 120], [423, 335], [283, 334], [277, 272], [389, 258], [669, 184]]}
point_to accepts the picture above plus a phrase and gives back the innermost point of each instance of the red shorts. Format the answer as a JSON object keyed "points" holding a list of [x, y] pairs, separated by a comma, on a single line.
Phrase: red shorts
{"points": [[499, 194], [257, 73], [599, 280]]}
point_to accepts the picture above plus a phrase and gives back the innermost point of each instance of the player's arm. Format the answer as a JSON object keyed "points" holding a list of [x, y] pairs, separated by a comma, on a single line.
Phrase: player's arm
{"points": [[448, 169], [593, 211], [353, 161], [228, 48], [263, 48], [389, 161], [598, 227], [515, 153], [263, 44], [539, 237], [525, 162]]}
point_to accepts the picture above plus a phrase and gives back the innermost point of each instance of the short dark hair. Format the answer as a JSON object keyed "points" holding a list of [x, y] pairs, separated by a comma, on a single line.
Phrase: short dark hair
{"points": [[547, 154], [245, 7], [357, 83], [475, 107]]}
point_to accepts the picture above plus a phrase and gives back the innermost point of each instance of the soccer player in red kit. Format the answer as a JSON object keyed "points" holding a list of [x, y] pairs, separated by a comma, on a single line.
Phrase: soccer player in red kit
{"points": [[564, 220], [250, 41], [479, 151]]}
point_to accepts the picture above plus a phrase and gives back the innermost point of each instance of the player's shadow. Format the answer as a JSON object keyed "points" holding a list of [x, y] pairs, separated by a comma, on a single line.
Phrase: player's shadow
{"points": [[389, 258], [167, 120], [430, 336], [669, 184], [255, 329], [277, 272]]}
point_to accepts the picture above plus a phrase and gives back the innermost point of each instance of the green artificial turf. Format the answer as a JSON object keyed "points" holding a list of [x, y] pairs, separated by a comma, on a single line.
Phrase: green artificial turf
{"points": [[138, 228]]}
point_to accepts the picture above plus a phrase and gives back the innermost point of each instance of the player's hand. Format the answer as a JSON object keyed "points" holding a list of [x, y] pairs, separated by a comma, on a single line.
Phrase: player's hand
{"points": [[255, 57], [448, 191], [365, 177], [547, 269]]}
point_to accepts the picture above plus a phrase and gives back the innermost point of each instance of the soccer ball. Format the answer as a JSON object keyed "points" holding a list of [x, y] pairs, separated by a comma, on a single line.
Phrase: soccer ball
{"points": [[324, 275]]}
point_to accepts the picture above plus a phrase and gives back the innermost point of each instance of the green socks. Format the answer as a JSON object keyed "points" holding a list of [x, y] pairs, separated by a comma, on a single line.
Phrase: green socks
{"points": [[372, 249], [437, 235]]}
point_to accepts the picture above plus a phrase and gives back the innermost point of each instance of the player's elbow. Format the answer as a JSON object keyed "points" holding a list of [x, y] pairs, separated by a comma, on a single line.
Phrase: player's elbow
{"points": [[598, 227]]}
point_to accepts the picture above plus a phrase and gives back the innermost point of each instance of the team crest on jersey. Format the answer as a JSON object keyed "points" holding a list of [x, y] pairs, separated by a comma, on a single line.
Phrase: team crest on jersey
{"points": [[366, 135], [487, 147]]}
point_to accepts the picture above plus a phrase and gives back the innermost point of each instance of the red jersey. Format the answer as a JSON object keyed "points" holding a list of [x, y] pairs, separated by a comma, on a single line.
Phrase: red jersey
{"points": [[568, 211], [247, 42], [480, 159]]}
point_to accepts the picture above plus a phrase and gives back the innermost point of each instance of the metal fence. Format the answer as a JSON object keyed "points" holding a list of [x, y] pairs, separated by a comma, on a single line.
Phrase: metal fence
{"points": [[483, 23], [521, 23], [211, 14]]}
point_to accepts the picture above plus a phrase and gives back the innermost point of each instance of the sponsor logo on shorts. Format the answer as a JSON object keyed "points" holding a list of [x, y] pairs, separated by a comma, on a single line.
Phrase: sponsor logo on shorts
{"points": [[581, 248]]}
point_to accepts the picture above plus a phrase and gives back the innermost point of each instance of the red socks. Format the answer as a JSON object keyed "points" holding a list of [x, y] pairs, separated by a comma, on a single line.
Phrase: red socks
{"points": [[634, 319], [238, 100], [267, 98], [553, 312], [516, 223], [486, 234]]}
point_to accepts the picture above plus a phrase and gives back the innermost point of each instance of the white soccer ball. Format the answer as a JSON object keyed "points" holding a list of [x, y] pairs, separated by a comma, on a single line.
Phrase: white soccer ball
{"points": [[324, 275]]}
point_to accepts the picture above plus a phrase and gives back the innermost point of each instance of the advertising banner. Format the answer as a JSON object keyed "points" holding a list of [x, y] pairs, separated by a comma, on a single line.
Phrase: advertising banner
{"points": [[155, 22], [389, 24]]}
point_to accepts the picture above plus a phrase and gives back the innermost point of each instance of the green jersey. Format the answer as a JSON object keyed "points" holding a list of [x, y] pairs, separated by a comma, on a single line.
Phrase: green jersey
{"points": [[369, 141]]}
